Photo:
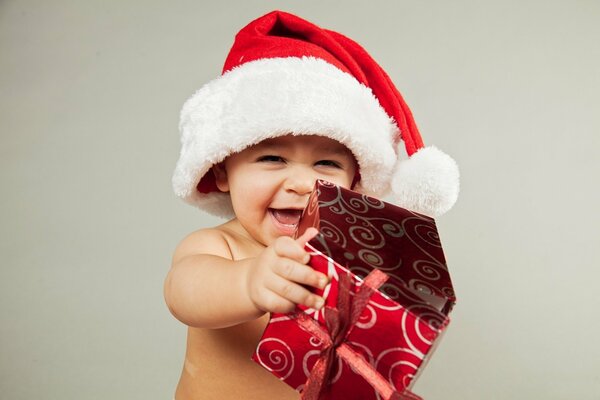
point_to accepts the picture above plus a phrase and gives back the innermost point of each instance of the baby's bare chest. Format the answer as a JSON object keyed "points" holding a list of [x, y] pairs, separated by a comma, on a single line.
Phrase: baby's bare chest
{"points": [[218, 365]]}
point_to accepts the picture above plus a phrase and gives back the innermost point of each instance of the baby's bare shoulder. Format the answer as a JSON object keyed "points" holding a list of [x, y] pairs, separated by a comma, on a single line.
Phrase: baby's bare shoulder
{"points": [[226, 240], [212, 241]]}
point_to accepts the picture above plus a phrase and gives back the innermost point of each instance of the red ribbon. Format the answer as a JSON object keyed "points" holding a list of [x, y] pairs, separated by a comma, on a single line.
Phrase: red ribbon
{"points": [[339, 322]]}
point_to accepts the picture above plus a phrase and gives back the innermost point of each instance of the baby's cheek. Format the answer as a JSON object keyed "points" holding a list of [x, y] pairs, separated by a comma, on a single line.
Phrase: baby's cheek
{"points": [[340, 179], [261, 196]]}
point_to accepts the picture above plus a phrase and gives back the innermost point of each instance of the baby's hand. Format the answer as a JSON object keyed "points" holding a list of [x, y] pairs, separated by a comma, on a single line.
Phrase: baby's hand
{"points": [[275, 278]]}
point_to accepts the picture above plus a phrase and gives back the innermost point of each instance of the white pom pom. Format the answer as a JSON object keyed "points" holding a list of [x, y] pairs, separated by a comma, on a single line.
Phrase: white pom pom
{"points": [[428, 182]]}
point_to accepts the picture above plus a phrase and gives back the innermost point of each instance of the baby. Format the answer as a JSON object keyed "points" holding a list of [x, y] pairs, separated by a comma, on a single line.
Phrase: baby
{"points": [[295, 103]]}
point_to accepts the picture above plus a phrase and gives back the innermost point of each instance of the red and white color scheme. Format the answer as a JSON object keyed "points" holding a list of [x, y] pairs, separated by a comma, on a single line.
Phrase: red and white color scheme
{"points": [[386, 306], [285, 75], [387, 337]]}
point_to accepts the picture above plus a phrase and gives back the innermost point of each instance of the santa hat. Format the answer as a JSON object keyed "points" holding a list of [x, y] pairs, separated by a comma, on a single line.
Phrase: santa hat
{"points": [[285, 75]]}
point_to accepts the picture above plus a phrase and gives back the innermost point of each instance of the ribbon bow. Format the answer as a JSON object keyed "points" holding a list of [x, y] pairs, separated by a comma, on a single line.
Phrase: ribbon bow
{"points": [[340, 322]]}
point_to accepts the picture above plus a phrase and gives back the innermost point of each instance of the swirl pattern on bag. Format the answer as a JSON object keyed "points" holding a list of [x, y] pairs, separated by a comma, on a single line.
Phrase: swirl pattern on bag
{"points": [[401, 322], [363, 233], [280, 358]]}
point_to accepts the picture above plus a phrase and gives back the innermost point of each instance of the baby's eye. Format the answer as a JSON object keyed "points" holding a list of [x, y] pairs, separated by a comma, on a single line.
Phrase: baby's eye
{"points": [[270, 158], [329, 163]]}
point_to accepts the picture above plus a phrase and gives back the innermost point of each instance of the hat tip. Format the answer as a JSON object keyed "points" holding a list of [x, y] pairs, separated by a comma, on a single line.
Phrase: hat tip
{"points": [[427, 182]]}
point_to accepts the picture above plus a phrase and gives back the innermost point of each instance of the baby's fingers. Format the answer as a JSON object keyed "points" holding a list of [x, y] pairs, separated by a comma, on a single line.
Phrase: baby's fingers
{"points": [[272, 302], [300, 273], [295, 293], [306, 236], [289, 248]]}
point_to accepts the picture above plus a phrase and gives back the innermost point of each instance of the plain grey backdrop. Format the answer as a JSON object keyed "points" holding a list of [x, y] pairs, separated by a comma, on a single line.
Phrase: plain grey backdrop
{"points": [[90, 93]]}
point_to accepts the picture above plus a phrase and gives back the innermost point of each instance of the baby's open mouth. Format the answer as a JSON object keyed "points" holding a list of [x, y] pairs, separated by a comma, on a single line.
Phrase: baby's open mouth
{"points": [[286, 216]]}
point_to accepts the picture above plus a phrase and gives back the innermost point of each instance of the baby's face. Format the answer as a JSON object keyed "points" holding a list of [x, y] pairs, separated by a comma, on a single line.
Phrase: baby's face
{"points": [[270, 182]]}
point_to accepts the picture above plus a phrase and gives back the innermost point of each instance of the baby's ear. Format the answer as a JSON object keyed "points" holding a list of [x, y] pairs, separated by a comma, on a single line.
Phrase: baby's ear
{"points": [[221, 177]]}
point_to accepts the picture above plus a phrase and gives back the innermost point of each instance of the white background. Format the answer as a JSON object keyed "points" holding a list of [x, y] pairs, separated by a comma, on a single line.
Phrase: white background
{"points": [[90, 93]]}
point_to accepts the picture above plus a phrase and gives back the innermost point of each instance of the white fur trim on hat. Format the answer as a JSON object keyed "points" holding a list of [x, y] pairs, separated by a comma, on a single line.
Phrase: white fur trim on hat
{"points": [[273, 97], [427, 182]]}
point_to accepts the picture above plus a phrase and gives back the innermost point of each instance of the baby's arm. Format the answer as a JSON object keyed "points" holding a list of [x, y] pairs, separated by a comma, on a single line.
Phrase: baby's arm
{"points": [[205, 288]]}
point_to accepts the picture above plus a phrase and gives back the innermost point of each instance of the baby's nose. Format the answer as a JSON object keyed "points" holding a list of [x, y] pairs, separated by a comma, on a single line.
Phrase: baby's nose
{"points": [[300, 181]]}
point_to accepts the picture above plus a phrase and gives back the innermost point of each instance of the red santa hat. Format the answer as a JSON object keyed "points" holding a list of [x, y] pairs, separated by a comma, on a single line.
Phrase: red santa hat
{"points": [[285, 75]]}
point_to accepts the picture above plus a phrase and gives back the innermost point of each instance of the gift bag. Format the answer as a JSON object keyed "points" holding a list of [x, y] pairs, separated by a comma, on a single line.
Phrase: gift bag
{"points": [[386, 305]]}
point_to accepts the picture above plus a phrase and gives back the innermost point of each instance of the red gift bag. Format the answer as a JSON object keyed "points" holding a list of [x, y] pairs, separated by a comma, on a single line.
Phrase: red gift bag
{"points": [[385, 308]]}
